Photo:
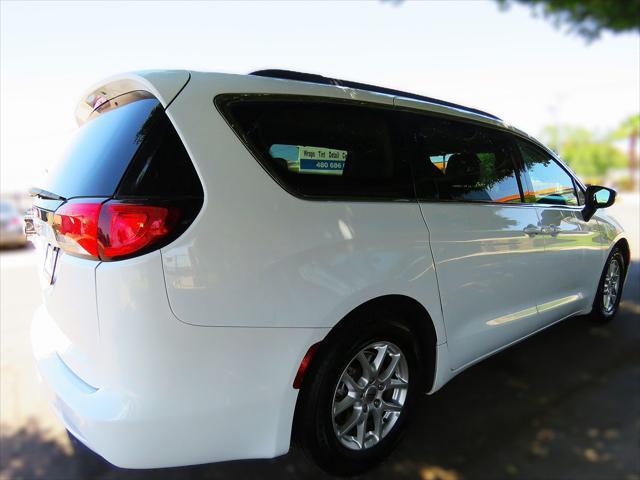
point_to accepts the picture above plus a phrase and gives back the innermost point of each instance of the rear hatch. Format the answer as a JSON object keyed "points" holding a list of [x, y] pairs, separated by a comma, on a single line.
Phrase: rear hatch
{"points": [[126, 186]]}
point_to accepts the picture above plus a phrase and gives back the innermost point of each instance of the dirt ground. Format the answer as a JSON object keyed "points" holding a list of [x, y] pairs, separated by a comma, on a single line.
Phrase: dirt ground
{"points": [[564, 404]]}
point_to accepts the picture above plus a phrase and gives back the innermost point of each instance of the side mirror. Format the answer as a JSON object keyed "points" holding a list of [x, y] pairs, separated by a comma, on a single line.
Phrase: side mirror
{"points": [[597, 197]]}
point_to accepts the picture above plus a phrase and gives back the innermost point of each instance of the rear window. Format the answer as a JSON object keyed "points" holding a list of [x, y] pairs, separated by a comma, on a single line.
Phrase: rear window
{"points": [[161, 167], [128, 149], [323, 148], [101, 151]]}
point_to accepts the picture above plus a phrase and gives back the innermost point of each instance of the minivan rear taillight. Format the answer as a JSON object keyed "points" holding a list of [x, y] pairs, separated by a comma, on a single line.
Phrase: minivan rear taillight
{"points": [[76, 228], [127, 228], [113, 230]]}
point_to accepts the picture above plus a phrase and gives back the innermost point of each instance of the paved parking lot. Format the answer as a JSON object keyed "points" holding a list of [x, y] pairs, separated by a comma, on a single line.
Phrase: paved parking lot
{"points": [[563, 404]]}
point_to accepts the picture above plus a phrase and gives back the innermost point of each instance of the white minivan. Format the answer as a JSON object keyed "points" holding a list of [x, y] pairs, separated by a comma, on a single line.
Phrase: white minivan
{"points": [[230, 263]]}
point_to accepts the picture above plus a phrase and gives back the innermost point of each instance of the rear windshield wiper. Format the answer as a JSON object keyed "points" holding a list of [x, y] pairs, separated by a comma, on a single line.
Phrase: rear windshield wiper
{"points": [[39, 192]]}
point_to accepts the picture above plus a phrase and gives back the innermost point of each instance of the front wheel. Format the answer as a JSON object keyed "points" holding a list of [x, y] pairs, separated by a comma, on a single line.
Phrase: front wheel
{"points": [[355, 404], [609, 292]]}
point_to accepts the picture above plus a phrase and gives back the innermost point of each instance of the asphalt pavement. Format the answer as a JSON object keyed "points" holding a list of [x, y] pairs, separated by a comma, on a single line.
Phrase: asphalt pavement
{"points": [[564, 404]]}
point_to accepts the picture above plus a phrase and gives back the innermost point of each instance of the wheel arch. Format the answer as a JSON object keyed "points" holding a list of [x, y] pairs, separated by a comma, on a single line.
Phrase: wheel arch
{"points": [[411, 312], [623, 244]]}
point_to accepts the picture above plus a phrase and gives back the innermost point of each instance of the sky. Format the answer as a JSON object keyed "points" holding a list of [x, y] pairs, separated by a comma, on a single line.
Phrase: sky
{"points": [[510, 63]]}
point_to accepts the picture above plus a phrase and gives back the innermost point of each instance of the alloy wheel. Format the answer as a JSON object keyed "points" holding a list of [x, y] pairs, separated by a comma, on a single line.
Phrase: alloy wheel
{"points": [[370, 395], [611, 286]]}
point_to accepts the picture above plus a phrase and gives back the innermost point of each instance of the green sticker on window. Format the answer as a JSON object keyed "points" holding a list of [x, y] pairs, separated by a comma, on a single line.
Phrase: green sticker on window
{"points": [[313, 160]]}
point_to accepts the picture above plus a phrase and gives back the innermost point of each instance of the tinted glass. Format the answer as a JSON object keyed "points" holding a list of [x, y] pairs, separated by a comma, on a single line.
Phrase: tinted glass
{"points": [[101, 151], [549, 182], [463, 162], [161, 167], [323, 149]]}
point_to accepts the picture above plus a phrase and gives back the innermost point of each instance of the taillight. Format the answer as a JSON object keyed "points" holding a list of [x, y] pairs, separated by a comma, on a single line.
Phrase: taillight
{"points": [[127, 228], [112, 230], [76, 227]]}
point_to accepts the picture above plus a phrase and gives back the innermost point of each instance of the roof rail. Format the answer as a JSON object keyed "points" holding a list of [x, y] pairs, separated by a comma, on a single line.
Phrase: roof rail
{"points": [[313, 78]]}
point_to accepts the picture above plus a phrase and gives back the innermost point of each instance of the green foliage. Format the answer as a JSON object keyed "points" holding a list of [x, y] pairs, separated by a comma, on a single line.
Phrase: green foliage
{"points": [[589, 155], [588, 18], [592, 159], [629, 126]]}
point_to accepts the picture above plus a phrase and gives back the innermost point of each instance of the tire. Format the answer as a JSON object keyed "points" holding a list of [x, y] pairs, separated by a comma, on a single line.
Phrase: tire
{"points": [[317, 429], [603, 310]]}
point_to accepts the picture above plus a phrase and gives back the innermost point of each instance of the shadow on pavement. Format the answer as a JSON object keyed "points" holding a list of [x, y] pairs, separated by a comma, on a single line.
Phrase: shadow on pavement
{"points": [[563, 404], [31, 453]]}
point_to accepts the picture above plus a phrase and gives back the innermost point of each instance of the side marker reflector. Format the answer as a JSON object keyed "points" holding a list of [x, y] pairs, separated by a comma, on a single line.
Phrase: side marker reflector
{"points": [[297, 383]]}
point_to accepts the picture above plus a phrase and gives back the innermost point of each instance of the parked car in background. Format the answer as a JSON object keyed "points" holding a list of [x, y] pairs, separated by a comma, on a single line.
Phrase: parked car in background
{"points": [[29, 229], [232, 261], [12, 227]]}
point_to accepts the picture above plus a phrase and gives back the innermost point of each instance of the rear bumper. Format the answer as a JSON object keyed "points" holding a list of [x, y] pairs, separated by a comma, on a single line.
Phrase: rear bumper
{"points": [[96, 417], [172, 394]]}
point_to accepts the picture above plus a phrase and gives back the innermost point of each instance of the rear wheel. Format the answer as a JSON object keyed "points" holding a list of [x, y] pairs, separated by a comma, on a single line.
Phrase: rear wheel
{"points": [[609, 292], [358, 395]]}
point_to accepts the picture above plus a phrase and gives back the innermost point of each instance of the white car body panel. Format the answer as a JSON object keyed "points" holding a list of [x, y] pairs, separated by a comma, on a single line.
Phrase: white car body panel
{"points": [[610, 228], [486, 267], [72, 302], [341, 255], [193, 403], [576, 245], [170, 358]]}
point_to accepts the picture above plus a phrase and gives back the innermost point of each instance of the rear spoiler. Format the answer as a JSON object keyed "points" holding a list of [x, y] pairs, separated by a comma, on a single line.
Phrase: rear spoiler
{"points": [[165, 85]]}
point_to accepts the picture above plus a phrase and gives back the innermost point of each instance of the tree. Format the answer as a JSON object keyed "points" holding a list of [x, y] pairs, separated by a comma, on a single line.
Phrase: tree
{"points": [[630, 129], [587, 154], [588, 18]]}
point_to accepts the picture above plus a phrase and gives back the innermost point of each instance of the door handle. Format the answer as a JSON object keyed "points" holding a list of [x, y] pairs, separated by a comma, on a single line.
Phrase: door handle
{"points": [[532, 230]]}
